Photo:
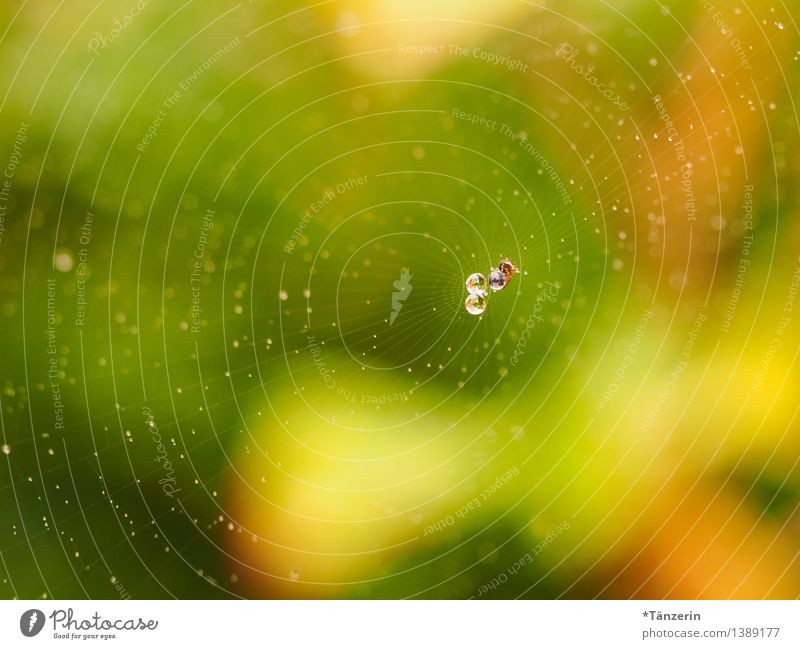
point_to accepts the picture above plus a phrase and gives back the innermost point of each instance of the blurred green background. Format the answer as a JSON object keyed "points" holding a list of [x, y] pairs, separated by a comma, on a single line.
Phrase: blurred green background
{"points": [[206, 209]]}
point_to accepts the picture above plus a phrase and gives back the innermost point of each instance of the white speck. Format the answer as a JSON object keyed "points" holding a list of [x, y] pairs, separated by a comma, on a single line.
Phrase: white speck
{"points": [[348, 24], [63, 261]]}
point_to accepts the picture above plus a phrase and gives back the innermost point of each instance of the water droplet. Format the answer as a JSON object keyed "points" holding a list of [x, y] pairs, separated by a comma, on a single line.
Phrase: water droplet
{"points": [[477, 285], [475, 304], [497, 280]]}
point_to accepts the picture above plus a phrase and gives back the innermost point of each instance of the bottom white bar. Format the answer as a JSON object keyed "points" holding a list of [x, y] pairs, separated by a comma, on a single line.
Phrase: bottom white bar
{"points": [[389, 624]]}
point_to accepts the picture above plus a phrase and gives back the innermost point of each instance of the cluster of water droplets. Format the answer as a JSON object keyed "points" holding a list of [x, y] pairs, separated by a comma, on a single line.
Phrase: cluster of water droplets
{"points": [[478, 286]]}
